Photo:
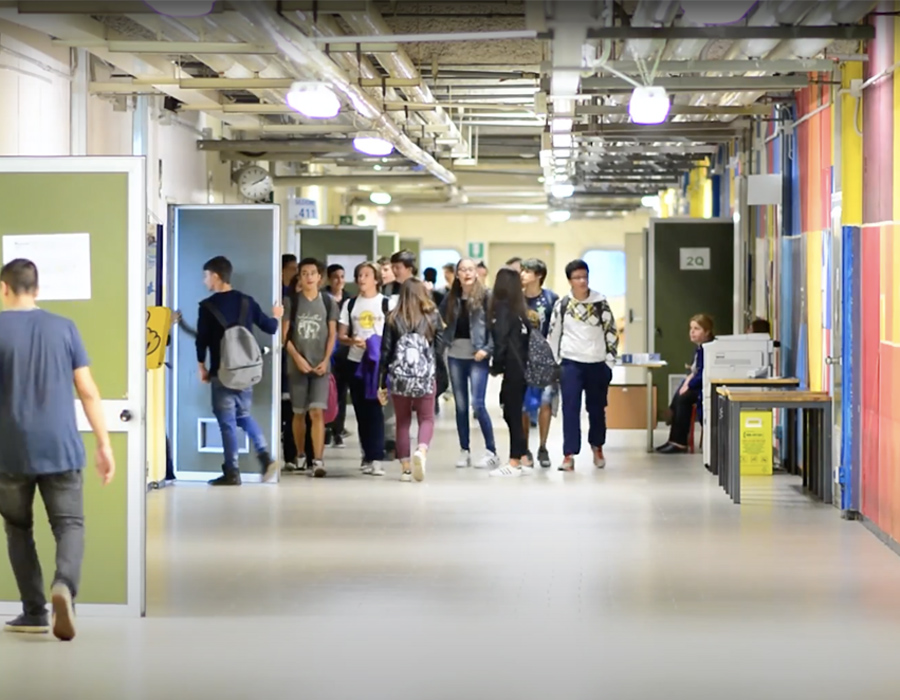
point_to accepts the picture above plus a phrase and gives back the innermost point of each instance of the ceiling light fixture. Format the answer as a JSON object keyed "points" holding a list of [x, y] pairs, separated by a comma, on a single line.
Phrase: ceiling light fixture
{"points": [[562, 190], [372, 145], [181, 8], [380, 198], [559, 216], [313, 100], [649, 104]]}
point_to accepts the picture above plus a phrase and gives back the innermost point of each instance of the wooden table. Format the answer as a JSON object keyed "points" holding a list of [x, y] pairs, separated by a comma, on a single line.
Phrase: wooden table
{"points": [[715, 414], [652, 419], [817, 424]]}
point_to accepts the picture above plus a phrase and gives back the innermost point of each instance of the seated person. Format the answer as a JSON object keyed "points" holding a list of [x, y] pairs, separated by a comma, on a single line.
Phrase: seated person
{"points": [[760, 325], [691, 390]]}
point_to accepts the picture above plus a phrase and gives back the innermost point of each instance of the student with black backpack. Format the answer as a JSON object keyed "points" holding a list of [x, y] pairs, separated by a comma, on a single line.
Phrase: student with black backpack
{"points": [[310, 331], [411, 348], [360, 328], [235, 364]]}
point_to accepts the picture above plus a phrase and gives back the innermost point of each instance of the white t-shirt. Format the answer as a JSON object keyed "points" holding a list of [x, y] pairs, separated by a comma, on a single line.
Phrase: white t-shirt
{"points": [[368, 320]]}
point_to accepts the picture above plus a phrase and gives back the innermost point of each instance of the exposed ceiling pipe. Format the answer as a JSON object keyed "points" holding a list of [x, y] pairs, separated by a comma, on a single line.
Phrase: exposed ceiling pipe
{"points": [[399, 65], [650, 13], [305, 54]]}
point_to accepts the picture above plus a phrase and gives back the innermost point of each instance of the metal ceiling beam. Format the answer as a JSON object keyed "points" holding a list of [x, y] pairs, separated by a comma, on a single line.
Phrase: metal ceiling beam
{"points": [[258, 108], [731, 32], [362, 48], [279, 145], [429, 37], [685, 110], [355, 181], [703, 83], [798, 65], [121, 7], [257, 83], [197, 48]]}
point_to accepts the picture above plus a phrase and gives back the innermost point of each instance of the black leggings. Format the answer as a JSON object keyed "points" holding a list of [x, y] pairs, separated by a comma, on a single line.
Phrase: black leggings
{"points": [[512, 396], [682, 407]]}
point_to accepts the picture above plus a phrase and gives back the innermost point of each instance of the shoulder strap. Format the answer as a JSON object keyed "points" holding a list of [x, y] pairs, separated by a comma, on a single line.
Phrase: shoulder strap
{"points": [[216, 314], [563, 309], [351, 302], [245, 311], [385, 305]]}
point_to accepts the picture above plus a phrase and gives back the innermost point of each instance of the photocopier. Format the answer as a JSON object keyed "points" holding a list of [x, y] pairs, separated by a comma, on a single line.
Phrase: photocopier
{"points": [[746, 356]]}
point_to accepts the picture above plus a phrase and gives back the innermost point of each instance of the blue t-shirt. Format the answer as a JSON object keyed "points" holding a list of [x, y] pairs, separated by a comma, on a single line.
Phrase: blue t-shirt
{"points": [[39, 353], [543, 304]]}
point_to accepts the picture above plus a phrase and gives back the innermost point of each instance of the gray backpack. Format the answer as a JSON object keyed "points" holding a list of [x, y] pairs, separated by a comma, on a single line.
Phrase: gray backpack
{"points": [[240, 359]]}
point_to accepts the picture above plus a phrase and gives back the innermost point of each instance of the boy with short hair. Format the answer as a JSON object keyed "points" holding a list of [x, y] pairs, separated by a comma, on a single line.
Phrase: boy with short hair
{"points": [[227, 308], [309, 333], [541, 301]]}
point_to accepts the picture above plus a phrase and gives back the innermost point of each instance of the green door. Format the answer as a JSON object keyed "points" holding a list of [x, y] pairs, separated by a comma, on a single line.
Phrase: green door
{"points": [[343, 245], [691, 272], [83, 221]]}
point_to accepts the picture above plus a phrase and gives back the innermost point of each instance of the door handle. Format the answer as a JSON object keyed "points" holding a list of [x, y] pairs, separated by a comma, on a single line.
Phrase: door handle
{"points": [[125, 416], [832, 360]]}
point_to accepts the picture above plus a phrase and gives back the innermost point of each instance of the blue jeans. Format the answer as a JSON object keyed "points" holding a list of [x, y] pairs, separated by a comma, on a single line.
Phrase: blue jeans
{"points": [[461, 373], [592, 380], [232, 410]]}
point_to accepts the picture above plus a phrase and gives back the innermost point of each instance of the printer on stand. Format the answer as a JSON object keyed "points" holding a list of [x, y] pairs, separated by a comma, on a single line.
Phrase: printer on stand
{"points": [[749, 356]]}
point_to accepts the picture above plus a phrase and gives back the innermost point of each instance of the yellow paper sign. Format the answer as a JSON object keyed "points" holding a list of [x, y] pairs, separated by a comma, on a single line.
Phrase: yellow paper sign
{"points": [[159, 321], [756, 443]]}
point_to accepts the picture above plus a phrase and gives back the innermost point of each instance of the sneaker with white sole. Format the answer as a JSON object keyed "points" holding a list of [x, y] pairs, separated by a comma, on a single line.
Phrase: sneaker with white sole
{"points": [[489, 461], [568, 464], [63, 612], [599, 459], [366, 467], [28, 624], [406, 477], [418, 465], [507, 470], [318, 469], [377, 469], [465, 460]]}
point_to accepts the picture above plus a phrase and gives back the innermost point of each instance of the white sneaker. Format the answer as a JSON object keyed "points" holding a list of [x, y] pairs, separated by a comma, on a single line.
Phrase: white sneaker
{"points": [[599, 459], [465, 460], [489, 461], [506, 471], [406, 477], [377, 469], [318, 469], [418, 465], [527, 469], [366, 468]]}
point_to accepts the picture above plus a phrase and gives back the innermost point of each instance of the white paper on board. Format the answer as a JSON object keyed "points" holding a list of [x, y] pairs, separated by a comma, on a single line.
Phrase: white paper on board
{"points": [[63, 261], [348, 262]]}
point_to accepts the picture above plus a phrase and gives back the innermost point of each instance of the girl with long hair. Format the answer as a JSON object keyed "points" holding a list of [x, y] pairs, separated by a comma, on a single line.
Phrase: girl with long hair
{"points": [[510, 328], [411, 347], [469, 342], [690, 393]]}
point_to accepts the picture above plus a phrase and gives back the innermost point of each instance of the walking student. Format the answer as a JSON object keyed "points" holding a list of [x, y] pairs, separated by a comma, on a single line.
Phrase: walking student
{"points": [[360, 328], [510, 329], [470, 345], [309, 333], [410, 349], [584, 340], [541, 301], [224, 335], [41, 358]]}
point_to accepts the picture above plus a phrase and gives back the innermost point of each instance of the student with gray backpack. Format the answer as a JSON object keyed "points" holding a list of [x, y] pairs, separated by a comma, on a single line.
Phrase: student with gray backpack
{"points": [[412, 347], [235, 364]]}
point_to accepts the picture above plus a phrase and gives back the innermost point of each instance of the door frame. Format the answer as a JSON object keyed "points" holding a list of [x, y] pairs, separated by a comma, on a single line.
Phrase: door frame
{"points": [[170, 270], [136, 402], [651, 268]]}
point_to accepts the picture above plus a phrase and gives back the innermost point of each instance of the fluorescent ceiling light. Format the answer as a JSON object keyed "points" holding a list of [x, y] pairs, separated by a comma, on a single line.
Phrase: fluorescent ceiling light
{"points": [[650, 201], [313, 100], [372, 145], [558, 216], [562, 140], [716, 11], [562, 190], [649, 105], [381, 198], [560, 124], [181, 8]]}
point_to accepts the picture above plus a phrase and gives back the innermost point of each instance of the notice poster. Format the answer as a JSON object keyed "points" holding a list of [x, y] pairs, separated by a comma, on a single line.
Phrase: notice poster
{"points": [[63, 261], [348, 262]]}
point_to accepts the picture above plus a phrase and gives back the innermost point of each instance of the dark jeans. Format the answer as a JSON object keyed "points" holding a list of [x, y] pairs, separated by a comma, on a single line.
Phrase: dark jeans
{"points": [[591, 379], [462, 372], [682, 407], [232, 410], [63, 498], [369, 419], [512, 396], [288, 448]]}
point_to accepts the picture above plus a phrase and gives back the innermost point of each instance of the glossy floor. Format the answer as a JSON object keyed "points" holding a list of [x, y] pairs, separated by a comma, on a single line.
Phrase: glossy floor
{"points": [[639, 581]]}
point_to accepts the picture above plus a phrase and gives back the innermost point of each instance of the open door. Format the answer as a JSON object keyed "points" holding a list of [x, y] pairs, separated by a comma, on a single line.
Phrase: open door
{"points": [[82, 221], [249, 236], [635, 340]]}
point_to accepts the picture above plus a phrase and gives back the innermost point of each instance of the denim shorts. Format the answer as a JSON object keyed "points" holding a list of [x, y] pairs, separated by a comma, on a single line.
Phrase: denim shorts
{"points": [[550, 397]]}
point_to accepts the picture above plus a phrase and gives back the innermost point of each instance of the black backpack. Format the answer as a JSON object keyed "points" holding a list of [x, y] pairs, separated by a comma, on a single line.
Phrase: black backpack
{"points": [[541, 369]]}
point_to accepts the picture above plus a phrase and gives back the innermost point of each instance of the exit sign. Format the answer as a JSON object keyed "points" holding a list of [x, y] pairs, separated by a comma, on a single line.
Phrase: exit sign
{"points": [[476, 251]]}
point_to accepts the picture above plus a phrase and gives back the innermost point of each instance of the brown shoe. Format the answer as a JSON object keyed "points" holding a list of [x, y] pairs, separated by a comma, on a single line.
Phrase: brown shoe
{"points": [[63, 612]]}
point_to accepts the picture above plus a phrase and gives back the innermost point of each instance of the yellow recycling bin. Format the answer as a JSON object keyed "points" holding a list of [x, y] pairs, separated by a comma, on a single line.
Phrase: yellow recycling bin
{"points": [[756, 443]]}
